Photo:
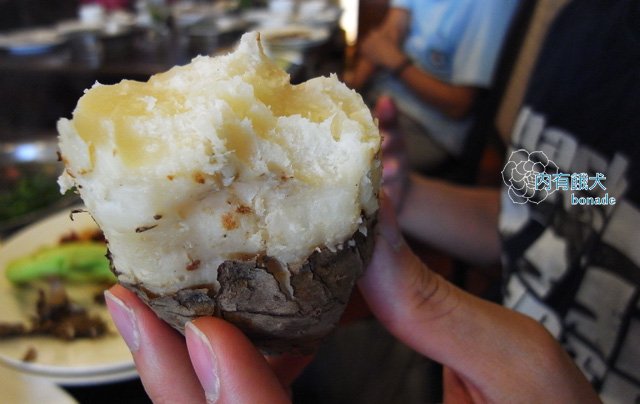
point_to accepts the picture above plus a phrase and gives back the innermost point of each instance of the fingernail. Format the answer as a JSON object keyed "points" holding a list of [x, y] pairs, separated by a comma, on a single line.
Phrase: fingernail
{"points": [[204, 361], [388, 226], [393, 237], [390, 168], [125, 320]]}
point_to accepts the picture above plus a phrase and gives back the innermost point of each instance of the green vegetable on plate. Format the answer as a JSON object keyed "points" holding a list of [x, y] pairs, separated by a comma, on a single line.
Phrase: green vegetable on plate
{"points": [[78, 261]]}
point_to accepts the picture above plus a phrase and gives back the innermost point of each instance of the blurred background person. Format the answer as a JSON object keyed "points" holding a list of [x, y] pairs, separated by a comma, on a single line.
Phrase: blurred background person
{"points": [[570, 264], [434, 58]]}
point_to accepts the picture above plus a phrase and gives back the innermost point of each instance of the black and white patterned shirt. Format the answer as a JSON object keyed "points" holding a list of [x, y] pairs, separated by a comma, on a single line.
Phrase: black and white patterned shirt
{"points": [[572, 255]]}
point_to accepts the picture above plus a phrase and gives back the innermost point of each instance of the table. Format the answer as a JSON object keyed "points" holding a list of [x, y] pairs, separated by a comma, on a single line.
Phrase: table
{"points": [[36, 90]]}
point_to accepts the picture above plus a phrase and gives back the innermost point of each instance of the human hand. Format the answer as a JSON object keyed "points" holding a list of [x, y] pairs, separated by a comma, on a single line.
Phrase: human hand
{"points": [[395, 163], [382, 50], [359, 75], [491, 353], [217, 363]]}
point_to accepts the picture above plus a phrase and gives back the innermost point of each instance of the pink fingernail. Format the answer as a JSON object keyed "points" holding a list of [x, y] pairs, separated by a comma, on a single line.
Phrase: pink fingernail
{"points": [[125, 320], [391, 167], [392, 237], [204, 361], [388, 227]]}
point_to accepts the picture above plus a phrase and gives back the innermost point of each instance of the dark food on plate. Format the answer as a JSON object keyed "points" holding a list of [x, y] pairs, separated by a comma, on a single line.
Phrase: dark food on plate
{"points": [[77, 258], [12, 330], [57, 316], [30, 355], [223, 190]]}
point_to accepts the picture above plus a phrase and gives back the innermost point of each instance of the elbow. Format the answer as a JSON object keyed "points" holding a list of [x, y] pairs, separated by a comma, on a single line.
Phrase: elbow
{"points": [[460, 103], [456, 113], [459, 110]]}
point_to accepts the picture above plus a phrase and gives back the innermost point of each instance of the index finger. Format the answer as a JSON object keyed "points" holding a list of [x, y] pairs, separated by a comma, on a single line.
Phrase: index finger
{"points": [[158, 351]]}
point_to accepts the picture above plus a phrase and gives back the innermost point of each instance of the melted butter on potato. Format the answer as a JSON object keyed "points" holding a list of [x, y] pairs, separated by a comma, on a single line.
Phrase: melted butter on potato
{"points": [[109, 115], [233, 159]]}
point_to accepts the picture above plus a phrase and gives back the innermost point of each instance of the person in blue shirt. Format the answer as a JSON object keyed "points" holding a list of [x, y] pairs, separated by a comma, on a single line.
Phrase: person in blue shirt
{"points": [[433, 57]]}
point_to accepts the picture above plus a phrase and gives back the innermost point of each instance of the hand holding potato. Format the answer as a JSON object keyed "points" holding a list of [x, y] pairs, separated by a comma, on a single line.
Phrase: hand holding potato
{"points": [[491, 354], [217, 362]]}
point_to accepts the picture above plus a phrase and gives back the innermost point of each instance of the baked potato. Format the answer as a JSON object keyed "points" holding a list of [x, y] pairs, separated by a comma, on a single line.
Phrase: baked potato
{"points": [[224, 190]]}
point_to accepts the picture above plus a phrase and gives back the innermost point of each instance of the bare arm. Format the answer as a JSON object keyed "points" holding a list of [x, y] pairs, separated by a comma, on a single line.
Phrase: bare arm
{"points": [[360, 74], [462, 221], [394, 28], [383, 48], [454, 100], [395, 25]]}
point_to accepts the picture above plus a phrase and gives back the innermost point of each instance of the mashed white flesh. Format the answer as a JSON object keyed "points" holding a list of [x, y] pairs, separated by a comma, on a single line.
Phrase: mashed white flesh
{"points": [[220, 159]]}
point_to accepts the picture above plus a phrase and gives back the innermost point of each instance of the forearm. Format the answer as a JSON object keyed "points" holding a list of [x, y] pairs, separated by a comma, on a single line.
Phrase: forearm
{"points": [[395, 25], [383, 48], [392, 29], [360, 74], [461, 221], [453, 100]]}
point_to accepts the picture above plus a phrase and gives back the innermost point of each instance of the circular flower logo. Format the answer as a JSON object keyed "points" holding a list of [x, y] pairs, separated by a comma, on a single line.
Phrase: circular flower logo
{"points": [[521, 174]]}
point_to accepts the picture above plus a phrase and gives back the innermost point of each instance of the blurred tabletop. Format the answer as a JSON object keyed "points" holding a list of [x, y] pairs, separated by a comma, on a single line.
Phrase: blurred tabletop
{"points": [[42, 75], [38, 85]]}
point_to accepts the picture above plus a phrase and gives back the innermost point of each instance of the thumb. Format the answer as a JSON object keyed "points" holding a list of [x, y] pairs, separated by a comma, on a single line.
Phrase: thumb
{"points": [[422, 309], [495, 352], [229, 367], [411, 301]]}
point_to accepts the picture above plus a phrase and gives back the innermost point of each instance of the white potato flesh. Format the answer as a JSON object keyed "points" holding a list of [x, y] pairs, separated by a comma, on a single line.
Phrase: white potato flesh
{"points": [[220, 159]]}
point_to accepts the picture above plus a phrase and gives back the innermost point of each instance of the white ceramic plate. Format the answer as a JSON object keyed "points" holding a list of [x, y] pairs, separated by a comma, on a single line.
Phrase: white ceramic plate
{"points": [[21, 388], [293, 36], [88, 380], [99, 358], [30, 42], [307, 14]]}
